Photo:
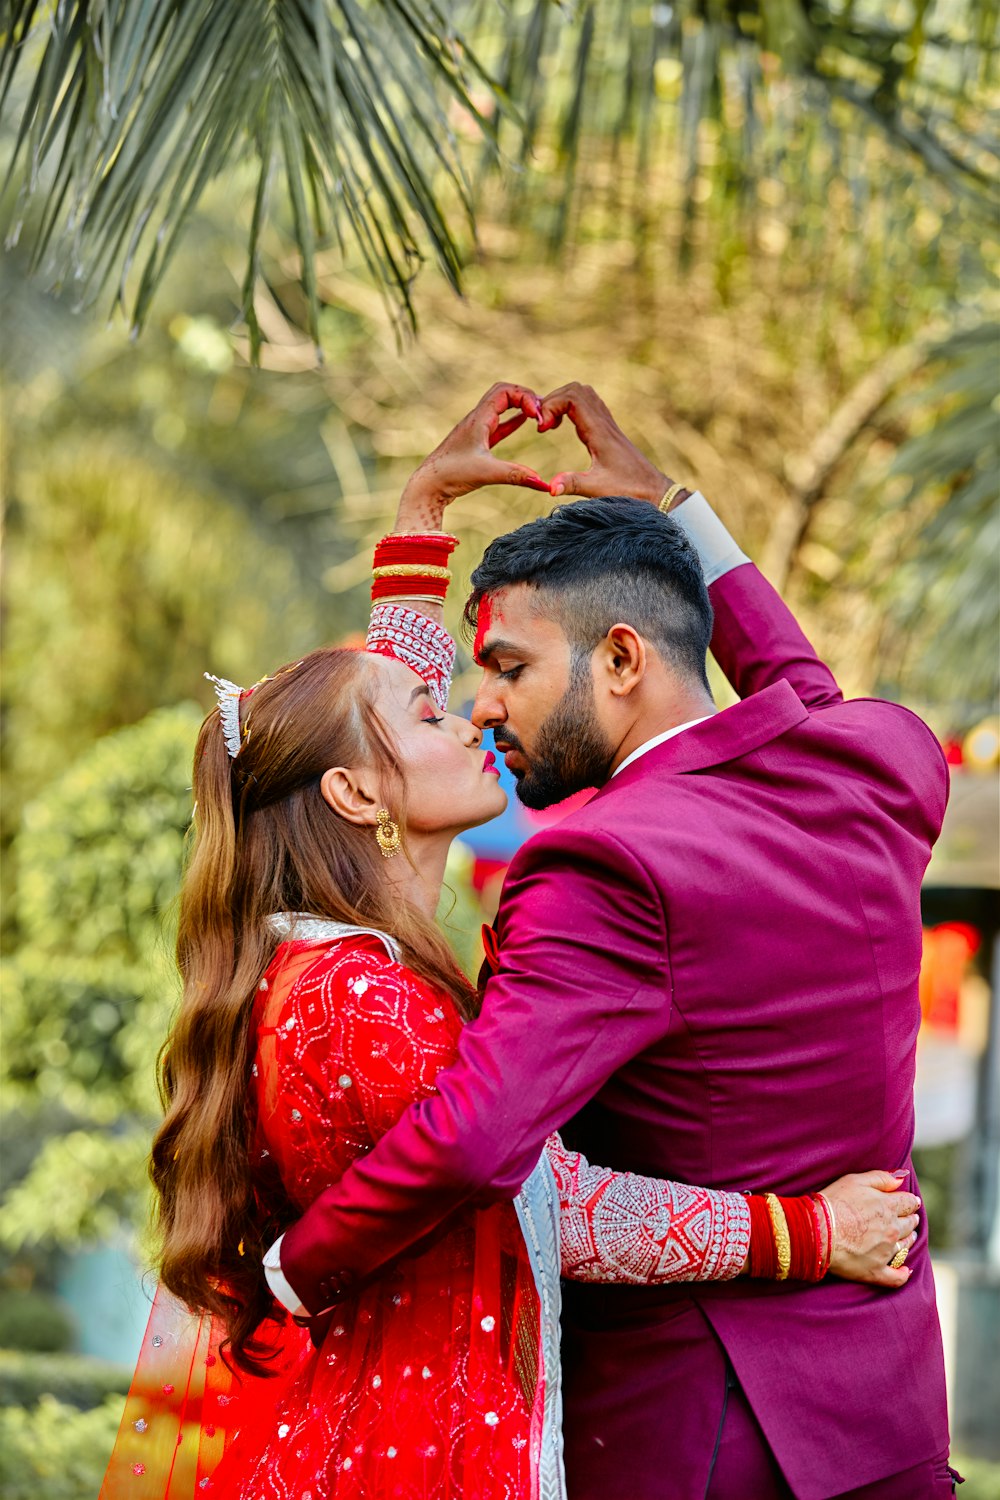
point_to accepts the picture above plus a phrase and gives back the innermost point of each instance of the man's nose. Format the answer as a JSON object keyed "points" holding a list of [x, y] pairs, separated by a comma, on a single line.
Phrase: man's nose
{"points": [[487, 711]]}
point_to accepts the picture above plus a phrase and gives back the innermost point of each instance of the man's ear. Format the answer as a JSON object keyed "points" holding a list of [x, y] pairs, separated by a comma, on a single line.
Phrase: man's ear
{"points": [[349, 795], [622, 657]]}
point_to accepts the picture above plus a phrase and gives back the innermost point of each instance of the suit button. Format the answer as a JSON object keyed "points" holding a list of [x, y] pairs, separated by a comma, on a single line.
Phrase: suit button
{"points": [[336, 1284]]}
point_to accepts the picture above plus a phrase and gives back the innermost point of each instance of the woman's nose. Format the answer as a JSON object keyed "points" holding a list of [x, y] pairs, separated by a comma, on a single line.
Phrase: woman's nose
{"points": [[470, 733]]}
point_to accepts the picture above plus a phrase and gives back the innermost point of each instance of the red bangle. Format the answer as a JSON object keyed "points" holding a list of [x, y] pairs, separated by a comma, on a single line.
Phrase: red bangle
{"points": [[763, 1253], [432, 549], [429, 550], [427, 557], [408, 587], [809, 1257], [826, 1250], [802, 1230], [437, 538]]}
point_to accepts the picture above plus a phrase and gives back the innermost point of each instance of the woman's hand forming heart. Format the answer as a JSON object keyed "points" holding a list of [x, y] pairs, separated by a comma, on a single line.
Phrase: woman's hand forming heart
{"points": [[617, 466], [464, 461]]}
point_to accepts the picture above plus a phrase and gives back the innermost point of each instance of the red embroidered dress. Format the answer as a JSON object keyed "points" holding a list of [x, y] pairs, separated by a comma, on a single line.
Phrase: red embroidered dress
{"points": [[427, 1383], [430, 1383]]}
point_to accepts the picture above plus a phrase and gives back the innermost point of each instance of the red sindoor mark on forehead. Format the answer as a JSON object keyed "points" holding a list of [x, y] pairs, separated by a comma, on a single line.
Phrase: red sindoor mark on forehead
{"points": [[484, 622]]}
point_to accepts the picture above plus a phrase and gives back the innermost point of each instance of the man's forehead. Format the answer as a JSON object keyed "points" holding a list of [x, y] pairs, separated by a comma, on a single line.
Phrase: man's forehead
{"points": [[511, 618]]}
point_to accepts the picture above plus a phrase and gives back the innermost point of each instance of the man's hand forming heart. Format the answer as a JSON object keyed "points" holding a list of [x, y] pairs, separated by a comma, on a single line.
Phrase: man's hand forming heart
{"points": [[464, 460], [617, 466]]}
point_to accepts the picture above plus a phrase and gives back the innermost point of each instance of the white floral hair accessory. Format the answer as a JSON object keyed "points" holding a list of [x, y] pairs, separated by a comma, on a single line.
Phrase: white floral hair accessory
{"points": [[229, 695]]}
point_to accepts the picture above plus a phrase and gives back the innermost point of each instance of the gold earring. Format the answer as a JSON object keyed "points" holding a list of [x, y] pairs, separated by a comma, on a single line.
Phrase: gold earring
{"points": [[387, 834]]}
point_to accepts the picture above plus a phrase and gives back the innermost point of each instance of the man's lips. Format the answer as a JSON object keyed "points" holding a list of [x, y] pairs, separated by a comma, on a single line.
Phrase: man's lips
{"points": [[490, 766], [509, 754]]}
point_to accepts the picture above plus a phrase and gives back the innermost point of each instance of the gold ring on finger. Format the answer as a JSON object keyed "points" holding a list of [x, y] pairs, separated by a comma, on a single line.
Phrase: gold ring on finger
{"points": [[902, 1252]]}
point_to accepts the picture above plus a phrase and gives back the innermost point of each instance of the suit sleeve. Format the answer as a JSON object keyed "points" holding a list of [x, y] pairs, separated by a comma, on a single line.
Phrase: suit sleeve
{"points": [[583, 985], [756, 639]]}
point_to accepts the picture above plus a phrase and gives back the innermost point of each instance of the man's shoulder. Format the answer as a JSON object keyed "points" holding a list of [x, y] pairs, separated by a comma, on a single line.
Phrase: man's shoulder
{"points": [[609, 829], [886, 741], [589, 841]]}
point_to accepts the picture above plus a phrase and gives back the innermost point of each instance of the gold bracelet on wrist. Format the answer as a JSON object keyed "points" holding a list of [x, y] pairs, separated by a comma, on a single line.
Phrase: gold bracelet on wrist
{"points": [[411, 570], [670, 497], [782, 1239], [411, 599]]}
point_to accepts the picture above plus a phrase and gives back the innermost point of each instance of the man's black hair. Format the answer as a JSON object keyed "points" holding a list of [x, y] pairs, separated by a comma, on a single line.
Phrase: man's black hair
{"points": [[600, 563]]}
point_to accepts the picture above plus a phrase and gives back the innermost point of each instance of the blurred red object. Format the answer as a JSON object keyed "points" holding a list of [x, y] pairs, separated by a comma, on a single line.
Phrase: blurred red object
{"points": [[947, 951]]}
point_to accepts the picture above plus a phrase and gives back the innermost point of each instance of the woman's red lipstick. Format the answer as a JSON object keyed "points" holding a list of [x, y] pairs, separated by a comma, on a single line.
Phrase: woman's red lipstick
{"points": [[490, 764]]}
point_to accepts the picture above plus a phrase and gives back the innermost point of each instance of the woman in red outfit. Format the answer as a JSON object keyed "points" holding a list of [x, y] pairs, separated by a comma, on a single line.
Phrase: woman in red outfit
{"points": [[320, 1000]]}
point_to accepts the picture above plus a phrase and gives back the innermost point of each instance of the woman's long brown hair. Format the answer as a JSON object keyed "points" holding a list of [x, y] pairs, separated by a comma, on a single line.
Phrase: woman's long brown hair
{"points": [[265, 841]]}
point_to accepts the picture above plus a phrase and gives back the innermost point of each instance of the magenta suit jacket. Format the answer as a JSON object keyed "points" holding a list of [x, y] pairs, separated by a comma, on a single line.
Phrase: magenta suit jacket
{"points": [[713, 965]]}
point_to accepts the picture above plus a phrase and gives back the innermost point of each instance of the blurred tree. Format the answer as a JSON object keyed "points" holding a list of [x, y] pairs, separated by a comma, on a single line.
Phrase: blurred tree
{"points": [[850, 148], [89, 990], [167, 511], [54, 1452], [362, 108]]}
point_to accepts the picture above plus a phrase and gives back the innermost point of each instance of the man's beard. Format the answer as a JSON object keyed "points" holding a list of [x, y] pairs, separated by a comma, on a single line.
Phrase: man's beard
{"points": [[572, 752]]}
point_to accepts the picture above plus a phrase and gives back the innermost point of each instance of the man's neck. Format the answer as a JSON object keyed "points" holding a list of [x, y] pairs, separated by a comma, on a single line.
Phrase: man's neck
{"points": [[665, 716]]}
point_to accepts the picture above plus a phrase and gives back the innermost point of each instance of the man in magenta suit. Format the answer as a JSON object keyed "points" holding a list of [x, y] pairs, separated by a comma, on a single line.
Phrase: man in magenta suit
{"points": [[711, 971]]}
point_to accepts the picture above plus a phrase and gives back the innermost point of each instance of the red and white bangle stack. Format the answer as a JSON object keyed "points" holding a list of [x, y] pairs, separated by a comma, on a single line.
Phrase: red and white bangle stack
{"points": [[410, 570]]}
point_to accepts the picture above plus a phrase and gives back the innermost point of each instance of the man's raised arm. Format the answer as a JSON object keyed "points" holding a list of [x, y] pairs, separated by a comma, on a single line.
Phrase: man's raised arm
{"points": [[756, 639]]}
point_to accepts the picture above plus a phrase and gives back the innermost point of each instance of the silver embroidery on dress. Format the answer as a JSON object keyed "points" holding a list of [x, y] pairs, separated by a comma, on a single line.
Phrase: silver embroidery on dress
{"points": [[306, 927], [537, 1207]]}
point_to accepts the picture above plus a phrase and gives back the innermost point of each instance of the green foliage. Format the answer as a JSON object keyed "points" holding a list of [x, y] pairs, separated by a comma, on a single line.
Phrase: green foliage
{"points": [[343, 122], [99, 857], [951, 567], [176, 572], [936, 1168], [80, 1189], [982, 1478], [343, 102], [73, 1379], [89, 990], [54, 1452], [82, 887], [34, 1321]]}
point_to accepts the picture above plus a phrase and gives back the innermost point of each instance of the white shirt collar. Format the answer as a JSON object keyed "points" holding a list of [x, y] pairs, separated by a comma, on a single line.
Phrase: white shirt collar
{"points": [[659, 739]]}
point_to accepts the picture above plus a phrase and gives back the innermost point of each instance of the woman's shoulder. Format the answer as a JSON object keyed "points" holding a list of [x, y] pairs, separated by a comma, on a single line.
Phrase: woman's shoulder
{"points": [[345, 968], [332, 998]]}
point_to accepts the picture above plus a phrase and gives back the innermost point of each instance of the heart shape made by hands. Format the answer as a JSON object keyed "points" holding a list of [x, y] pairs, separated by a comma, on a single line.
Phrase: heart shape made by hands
{"points": [[506, 429]]}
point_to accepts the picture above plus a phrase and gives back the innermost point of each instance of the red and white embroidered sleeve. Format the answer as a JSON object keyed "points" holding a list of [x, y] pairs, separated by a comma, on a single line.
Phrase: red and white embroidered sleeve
{"points": [[399, 630], [618, 1226]]}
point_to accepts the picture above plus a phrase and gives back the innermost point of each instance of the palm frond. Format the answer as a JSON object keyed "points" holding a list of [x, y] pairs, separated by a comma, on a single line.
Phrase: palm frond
{"points": [[345, 116], [136, 106]]}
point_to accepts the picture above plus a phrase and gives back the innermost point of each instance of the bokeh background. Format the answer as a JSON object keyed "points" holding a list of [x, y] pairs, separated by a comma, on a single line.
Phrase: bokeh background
{"points": [[259, 259]]}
